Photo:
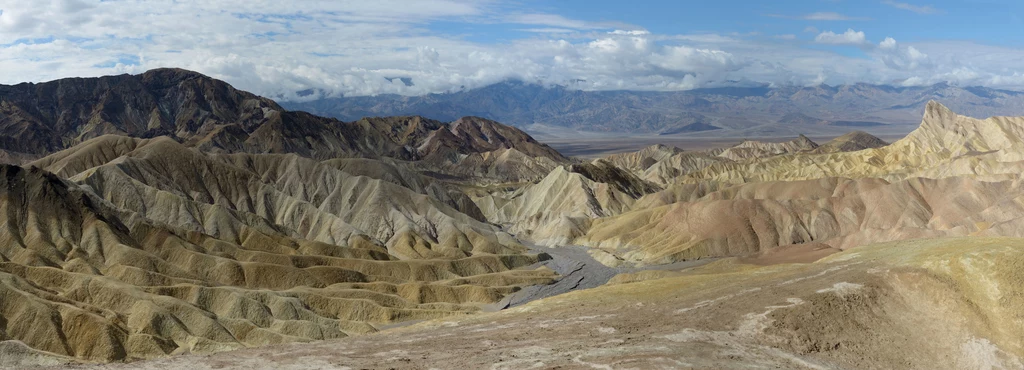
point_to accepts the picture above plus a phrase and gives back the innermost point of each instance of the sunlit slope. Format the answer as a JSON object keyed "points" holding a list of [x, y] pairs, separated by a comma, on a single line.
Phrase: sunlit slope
{"points": [[555, 210], [945, 145], [750, 149], [953, 176], [837, 213]]}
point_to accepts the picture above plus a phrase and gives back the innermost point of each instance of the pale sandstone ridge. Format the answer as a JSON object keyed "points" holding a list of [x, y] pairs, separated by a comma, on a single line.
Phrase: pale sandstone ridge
{"points": [[660, 164], [945, 145], [643, 159], [750, 149], [558, 208], [952, 176]]}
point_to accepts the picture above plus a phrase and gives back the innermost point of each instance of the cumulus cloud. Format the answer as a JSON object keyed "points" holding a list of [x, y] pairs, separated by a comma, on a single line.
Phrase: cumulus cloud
{"points": [[888, 43], [348, 47], [850, 37], [631, 32], [901, 58], [692, 60]]}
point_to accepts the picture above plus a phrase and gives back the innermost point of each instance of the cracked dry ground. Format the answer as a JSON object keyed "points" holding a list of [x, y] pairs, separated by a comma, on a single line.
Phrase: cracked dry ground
{"points": [[879, 306]]}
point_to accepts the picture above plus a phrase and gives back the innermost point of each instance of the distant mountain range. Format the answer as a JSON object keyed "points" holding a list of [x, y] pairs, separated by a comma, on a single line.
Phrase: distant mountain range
{"points": [[745, 111]]}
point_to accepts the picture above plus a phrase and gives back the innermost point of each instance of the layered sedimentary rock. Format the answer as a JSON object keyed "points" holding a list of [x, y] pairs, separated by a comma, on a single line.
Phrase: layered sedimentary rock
{"points": [[558, 208], [751, 149], [169, 213], [953, 176], [166, 250]]}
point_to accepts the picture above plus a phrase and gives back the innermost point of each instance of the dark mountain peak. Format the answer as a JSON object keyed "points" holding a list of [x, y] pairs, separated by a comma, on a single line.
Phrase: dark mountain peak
{"points": [[173, 74], [174, 102], [804, 142], [487, 135], [850, 142], [199, 111]]}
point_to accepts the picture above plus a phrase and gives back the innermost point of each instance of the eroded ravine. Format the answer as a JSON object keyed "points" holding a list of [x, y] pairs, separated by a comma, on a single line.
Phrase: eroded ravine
{"points": [[578, 271]]}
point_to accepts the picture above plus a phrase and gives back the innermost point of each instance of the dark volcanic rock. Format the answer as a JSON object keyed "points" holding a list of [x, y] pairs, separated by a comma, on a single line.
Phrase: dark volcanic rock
{"points": [[209, 114]]}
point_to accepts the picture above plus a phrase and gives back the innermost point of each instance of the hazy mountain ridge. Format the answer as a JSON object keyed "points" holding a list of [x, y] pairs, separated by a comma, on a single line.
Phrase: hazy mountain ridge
{"points": [[521, 104]]}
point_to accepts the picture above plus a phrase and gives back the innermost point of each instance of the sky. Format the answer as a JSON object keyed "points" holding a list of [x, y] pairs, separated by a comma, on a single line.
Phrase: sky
{"points": [[287, 49]]}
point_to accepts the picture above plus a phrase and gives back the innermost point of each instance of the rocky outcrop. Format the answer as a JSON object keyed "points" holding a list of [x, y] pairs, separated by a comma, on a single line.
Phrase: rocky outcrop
{"points": [[751, 149], [851, 142]]}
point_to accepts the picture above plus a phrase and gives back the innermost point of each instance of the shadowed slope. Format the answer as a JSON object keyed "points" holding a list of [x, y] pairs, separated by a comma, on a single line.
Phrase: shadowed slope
{"points": [[851, 142]]}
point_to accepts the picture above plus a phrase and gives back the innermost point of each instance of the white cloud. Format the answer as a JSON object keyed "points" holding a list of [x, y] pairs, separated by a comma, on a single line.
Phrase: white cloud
{"points": [[919, 9], [353, 47], [888, 43], [850, 37], [558, 21], [901, 58], [821, 16], [905, 59], [631, 33], [691, 60]]}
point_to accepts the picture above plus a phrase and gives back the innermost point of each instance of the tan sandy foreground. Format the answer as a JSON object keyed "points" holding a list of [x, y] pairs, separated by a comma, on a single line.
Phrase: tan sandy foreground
{"points": [[935, 303]]}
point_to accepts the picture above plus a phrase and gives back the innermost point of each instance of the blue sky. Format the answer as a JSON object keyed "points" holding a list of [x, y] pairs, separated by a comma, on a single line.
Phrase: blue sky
{"points": [[347, 47], [985, 21], [993, 22]]}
